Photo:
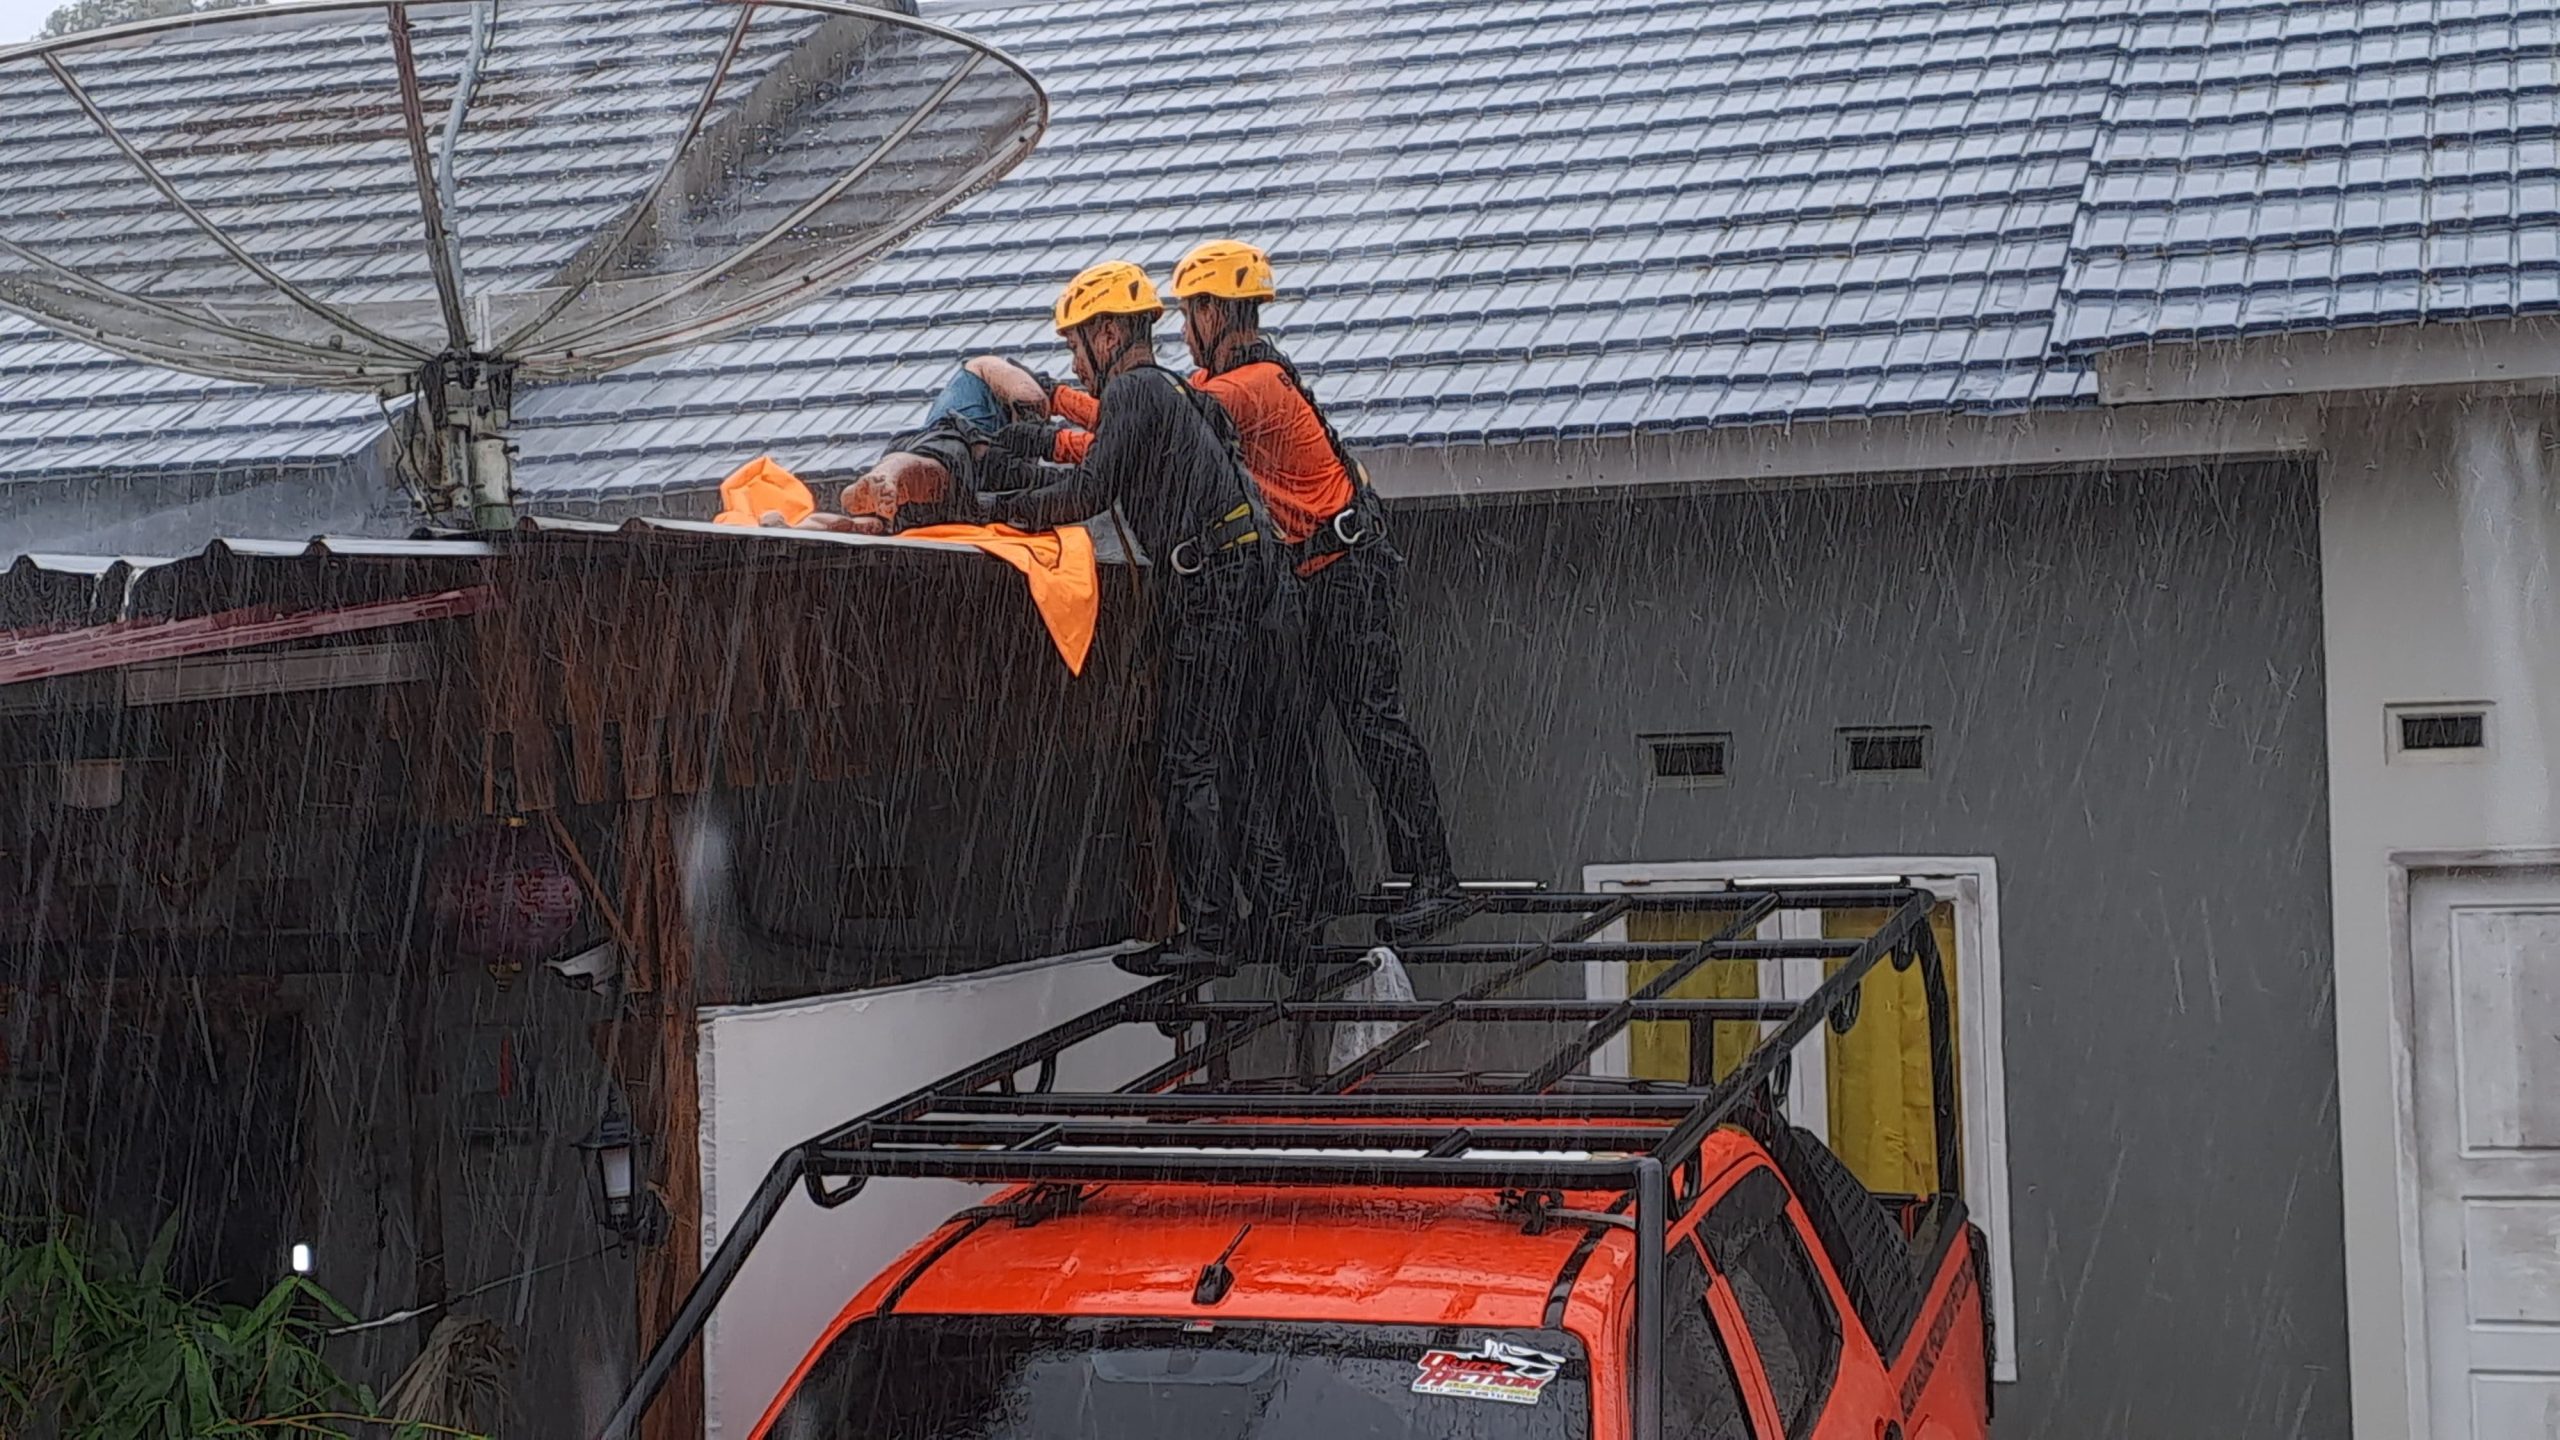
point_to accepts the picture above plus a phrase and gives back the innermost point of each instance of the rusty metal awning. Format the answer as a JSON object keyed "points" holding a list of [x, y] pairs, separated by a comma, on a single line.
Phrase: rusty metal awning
{"points": [[71, 614]]}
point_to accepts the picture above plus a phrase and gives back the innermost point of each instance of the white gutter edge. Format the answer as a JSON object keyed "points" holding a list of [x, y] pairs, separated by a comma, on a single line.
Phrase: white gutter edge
{"points": [[2520, 354], [1908, 447]]}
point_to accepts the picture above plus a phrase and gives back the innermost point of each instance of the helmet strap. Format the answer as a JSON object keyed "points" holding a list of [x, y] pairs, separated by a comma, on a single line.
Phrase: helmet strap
{"points": [[1106, 363], [1233, 333]]}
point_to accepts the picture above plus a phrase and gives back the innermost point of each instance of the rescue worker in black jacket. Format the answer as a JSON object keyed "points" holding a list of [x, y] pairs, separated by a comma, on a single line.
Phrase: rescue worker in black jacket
{"points": [[1166, 457]]}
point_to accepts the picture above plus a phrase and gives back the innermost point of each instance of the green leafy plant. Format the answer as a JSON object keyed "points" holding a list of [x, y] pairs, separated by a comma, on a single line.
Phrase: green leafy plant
{"points": [[96, 1344]]}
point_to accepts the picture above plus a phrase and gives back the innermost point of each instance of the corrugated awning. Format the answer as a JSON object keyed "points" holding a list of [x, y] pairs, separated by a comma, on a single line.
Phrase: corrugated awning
{"points": [[67, 614]]}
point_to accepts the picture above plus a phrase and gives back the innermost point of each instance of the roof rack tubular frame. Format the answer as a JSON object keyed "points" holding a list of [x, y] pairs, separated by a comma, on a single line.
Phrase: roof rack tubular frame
{"points": [[1858, 896], [1362, 1105], [1224, 1040], [1940, 1005], [1409, 1039], [792, 1167], [1494, 951], [1573, 1056], [1729, 1093], [1314, 1011], [1366, 1123], [1000, 1067]]}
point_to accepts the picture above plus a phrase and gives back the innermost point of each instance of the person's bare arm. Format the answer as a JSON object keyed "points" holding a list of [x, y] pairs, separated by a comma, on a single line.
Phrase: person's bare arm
{"points": [[821, 520], [1018, 388]]}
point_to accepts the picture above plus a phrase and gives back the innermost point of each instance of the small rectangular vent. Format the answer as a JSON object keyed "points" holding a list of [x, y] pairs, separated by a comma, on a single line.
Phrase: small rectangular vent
{"points": [[1883, 753], [1689, 759], [2440, 732], [2445, 730]]}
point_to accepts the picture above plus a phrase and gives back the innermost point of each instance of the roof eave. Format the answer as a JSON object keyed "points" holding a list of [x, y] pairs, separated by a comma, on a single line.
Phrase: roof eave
{"points": [[1915, 446], [2496, 354]]}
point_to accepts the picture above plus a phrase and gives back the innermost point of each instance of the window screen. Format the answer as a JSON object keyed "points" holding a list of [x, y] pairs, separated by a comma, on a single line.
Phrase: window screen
{"points": [[1700, 1399], [1793, 1327]]}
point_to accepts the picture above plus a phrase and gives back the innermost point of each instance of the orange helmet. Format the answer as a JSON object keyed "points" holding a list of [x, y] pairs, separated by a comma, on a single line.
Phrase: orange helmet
{"points": [[1226, 269], [1114, 287]]}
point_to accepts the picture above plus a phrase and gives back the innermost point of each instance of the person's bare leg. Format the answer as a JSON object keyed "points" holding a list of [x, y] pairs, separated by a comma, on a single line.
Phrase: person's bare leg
{"points": [[897, 479], [901, 478], [870, 504]]}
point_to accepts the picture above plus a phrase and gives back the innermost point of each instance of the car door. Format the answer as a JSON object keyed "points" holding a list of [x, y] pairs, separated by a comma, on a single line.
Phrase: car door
{"points": [[1702, 1394], [1797, 1344]]}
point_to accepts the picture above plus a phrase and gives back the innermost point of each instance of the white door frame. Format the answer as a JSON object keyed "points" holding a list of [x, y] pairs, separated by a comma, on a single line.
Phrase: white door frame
{"points": [[1972, 883], [2406, 868]]}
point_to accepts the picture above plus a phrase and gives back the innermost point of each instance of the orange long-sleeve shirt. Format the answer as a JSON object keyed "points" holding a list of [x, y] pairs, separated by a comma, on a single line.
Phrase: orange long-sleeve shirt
{"points": [[1303, 483]]}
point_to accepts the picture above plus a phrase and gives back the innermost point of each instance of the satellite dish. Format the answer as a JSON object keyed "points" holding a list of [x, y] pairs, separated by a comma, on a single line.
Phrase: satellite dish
{"points": [[443, 199]]}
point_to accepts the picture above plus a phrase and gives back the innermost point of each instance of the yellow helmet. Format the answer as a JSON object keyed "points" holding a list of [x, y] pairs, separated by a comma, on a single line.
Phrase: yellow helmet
{"points": [[1114, 287], [1227, 269]]}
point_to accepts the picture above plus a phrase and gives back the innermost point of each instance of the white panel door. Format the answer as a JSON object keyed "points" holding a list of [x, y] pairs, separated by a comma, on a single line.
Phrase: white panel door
{"points": [[774, 1075], [2485, 991]]}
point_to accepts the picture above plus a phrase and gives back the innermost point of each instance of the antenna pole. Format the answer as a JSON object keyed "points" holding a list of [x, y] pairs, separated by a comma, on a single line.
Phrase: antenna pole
{"points": [[479, 398]]}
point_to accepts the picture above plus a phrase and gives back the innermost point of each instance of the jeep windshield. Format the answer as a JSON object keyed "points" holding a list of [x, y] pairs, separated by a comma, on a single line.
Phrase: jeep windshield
{"points": [[945, 1377]]}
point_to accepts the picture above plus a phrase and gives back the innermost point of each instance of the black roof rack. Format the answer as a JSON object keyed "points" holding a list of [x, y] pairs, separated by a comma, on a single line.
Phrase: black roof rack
{"points": [[1190, 1119]]}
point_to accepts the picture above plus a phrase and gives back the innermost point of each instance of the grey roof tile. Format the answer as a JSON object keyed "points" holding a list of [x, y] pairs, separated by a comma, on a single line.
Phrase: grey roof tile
{"points": [[1515, 218]]}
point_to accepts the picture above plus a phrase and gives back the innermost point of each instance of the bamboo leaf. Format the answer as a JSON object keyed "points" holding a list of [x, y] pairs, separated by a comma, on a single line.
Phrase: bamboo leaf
{"points": [[93, 1347], [311, 1290], [273, 1307], [155, 1262], [202, 1405]]}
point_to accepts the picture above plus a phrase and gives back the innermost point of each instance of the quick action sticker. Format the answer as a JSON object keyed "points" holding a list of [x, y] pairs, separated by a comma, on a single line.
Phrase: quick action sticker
{"points": [[1512, 1374]]}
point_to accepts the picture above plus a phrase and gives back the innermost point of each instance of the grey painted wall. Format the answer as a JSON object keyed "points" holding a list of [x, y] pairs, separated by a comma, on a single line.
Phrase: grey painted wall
{"points": [[2122, 676]]}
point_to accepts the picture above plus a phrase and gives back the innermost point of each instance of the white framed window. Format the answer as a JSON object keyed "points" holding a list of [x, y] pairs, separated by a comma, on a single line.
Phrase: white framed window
{"points": [[1968, 889]]}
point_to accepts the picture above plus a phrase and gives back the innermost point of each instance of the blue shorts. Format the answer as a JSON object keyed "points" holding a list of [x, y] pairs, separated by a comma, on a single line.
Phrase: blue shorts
{"points": [[972, 400]]}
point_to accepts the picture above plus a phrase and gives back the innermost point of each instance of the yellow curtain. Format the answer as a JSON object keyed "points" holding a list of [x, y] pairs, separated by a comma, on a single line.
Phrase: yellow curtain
{"points": [[1659, 1049], [1879, 1072]]}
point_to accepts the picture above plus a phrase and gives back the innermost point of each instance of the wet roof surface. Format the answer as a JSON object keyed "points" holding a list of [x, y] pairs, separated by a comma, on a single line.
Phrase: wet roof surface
{"points": [[1532, 220]]}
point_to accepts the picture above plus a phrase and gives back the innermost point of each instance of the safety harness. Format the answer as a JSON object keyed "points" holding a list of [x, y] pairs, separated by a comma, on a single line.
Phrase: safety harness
{"points": [[1364, 520], [1240, 526]]}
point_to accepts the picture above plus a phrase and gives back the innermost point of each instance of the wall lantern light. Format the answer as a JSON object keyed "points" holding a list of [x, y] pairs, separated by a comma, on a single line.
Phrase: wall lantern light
{"points": [[617, 1179]]}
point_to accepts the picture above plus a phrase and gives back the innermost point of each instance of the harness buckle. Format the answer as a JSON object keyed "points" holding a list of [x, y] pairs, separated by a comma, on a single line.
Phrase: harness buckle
{"points": [[1191, 567]]}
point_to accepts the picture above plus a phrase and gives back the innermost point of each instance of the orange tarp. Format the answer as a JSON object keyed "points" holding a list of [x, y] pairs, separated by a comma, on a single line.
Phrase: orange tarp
{"points": [[1059, 565], [1065, 583], [761, 485]]}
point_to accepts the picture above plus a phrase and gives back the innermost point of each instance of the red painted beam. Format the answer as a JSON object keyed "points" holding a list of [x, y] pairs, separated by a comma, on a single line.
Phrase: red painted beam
{"points": [[25, 656]]}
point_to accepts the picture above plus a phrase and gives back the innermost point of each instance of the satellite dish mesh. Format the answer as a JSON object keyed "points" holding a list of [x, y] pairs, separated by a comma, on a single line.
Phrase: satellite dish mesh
{"points": [[355, 193]]}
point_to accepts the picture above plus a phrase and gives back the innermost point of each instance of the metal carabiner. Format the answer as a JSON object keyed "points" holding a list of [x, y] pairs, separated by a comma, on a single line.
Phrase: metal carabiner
{"points": [[1197, 561], [1349, 538]]}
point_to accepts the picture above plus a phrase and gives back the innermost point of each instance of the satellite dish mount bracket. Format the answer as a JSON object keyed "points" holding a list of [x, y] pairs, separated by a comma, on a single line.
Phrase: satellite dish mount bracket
{"points": [[474, 400]]}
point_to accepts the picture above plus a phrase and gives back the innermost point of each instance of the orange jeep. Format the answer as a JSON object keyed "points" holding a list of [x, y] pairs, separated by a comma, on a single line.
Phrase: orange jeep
{"points": [[1379, 1254]]}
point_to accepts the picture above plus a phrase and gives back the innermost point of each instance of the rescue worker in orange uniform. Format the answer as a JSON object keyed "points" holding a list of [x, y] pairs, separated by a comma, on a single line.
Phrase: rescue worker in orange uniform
{"points": [[1166, 458], [1320, 501]]}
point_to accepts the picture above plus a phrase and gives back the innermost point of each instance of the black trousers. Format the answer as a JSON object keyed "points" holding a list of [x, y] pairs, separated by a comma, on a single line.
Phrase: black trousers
{"points": [[1358, 668], [1222, 650], [1290, 861]]}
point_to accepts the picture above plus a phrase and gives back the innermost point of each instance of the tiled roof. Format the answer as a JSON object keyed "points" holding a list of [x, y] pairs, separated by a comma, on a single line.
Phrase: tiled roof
{"points": [[2306, 166], [1531, 219]]}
